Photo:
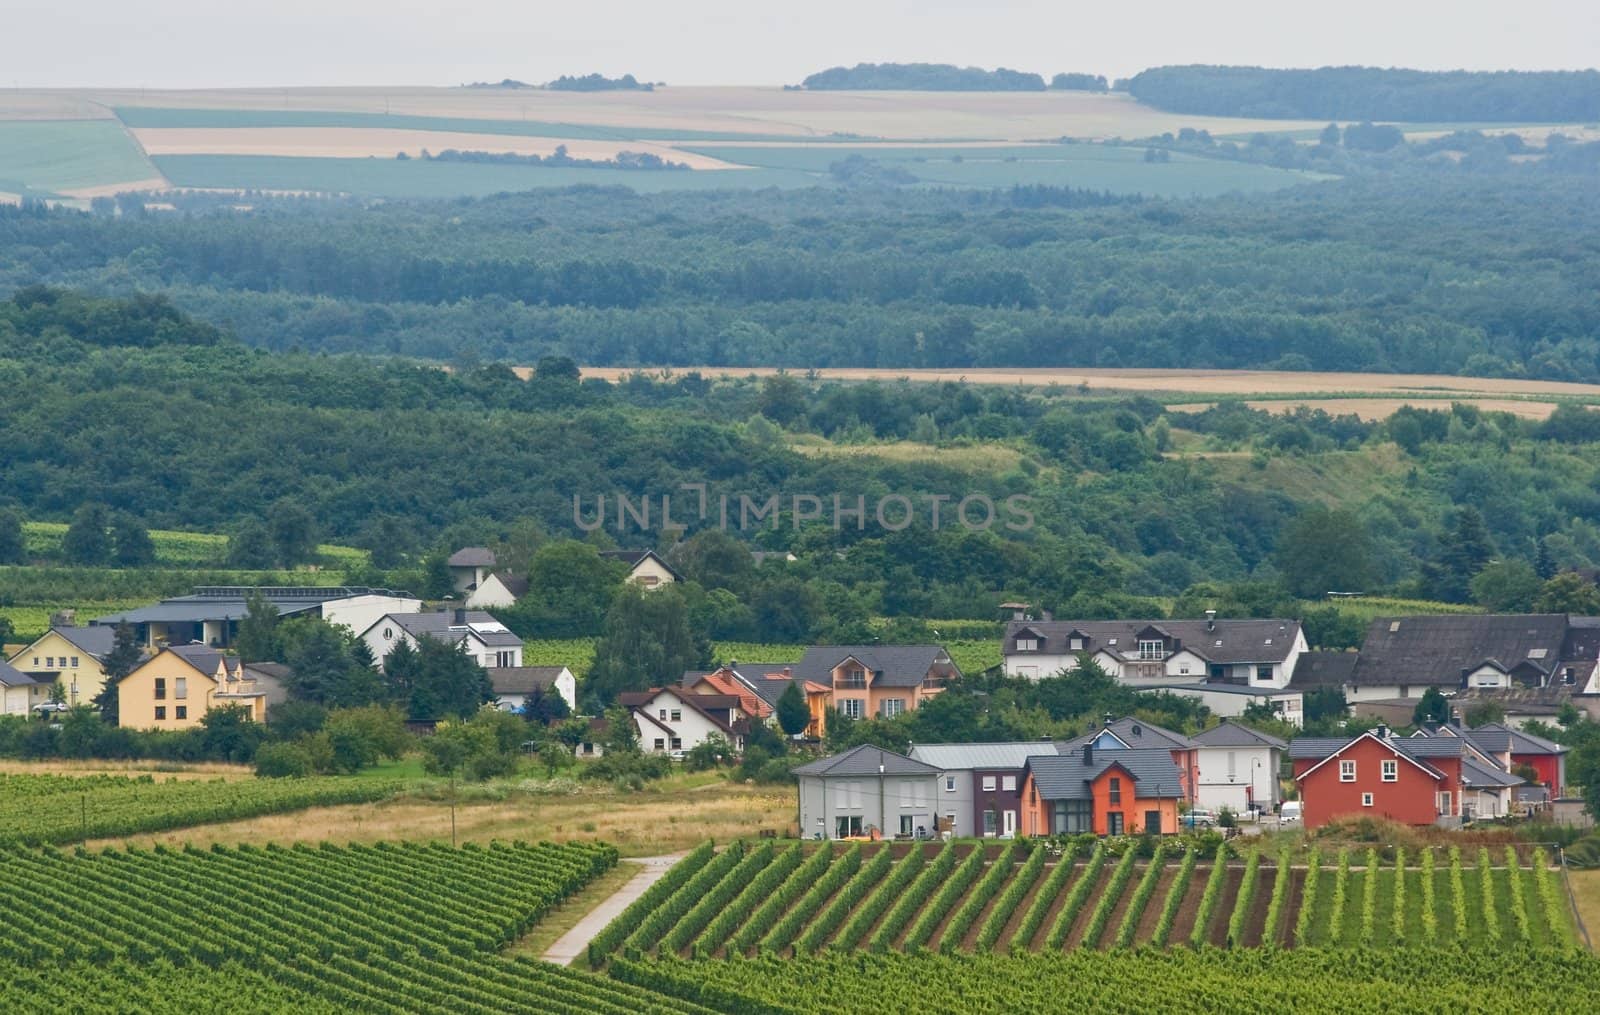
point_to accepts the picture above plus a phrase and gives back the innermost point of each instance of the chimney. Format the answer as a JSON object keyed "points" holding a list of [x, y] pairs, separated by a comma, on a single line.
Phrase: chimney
{"points": [[1211, 620], [461, 616], [1107, 720], [788, 671], [1088, 754], [1455, 718], [64, 618], [1382, 731]]}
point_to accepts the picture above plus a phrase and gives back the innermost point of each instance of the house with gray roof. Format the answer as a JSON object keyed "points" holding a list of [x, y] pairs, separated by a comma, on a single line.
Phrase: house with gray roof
{"points": [[980, 785], [513, 684], [20, 692], [1133, 734], [487, 641], [1108, 792], [211, 614], [469, 566], [1237, 767], [1401, 657], [877, 681], [867, 791]]}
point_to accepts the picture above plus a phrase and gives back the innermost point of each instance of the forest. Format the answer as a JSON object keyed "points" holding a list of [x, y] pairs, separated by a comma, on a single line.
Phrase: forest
{"points": [[1372, 93], [1437, 273], [923, 77]]}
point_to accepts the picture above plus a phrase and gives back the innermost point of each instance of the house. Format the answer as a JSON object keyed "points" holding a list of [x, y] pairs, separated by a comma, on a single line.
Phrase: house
{"points": [[672, 720], [979, 787], [1411, 780], [593, 744], [469, 566], [878, 681], [70, 655], [487, 641], [1107, 792], [759, 686], [176, 687], [1238, 767], [21, 693], [1401, 657], [211, 615], [866, 791], [1512, 748], [645, 567], [513, 684], [1129, 733], [1226, 663], [500, 588]]}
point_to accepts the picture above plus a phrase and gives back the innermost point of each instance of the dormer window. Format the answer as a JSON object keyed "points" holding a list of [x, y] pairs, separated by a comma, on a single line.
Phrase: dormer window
{"points": [[1567, 676], [854, 678], [1152, 648], [1076, 644], [1027, 644]]}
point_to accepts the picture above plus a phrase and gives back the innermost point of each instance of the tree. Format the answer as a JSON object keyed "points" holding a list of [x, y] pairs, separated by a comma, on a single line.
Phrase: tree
{"points": [[793, 715], [1568, 592], [647, 643], [119, 662], [1325, 551], [13, 547], [1434, 707], [293, 531], [437, 582], [229, 734], [570, 589], [622, 736], [250, 545], [321, 668], [257, 640], [556, 368], [715, 559], [1506, 586], [449, 683], [1485, 712], [1466, 551], [131, 545], [86, 542], [544, 705]]}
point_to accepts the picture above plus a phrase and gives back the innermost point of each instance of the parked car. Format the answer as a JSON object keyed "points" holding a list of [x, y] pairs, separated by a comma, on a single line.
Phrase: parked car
{"points": [[1290, 813], [1198, 817], [52, 708]]}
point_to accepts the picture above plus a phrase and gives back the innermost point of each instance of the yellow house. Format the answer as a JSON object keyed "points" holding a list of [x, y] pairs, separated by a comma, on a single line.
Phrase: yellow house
{"points": [[71, 655], [176, 688]]}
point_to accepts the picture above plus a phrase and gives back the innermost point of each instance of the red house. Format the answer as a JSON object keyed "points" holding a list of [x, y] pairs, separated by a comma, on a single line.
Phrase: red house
{"points": [[1512, 748], [1415, 780]]}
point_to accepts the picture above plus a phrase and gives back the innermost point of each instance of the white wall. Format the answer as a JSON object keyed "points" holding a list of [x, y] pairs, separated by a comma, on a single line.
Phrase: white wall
{"points": [[490, 592], [823, 801], [1257, 766], [690, 727], [1227, 704], [360, 612], [647, 569]]}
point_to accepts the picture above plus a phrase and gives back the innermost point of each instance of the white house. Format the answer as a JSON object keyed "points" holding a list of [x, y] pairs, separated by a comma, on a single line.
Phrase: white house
{"points": [[1237, 766], [469, 566], [489, 642], [1231, 700], [497, 589], [671, 720], [211, 614], [513, 684], [645, 567], [19, 693]]}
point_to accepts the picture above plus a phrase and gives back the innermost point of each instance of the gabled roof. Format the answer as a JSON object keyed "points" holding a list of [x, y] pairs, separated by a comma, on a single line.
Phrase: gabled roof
{"points": [[442, 626], [1231, 734], [523, 679], [893, 665], [865, 760], [1400, 748], [1322, 669], [957, 757], [1437, 650], [1066, 777], [1475, 773], [1494, 737], [10, 676], [93, 640], [1224, 641], [1301, 748], [633, 558], [471, 556], [1135, 733], [202, 657], [703, 704]]}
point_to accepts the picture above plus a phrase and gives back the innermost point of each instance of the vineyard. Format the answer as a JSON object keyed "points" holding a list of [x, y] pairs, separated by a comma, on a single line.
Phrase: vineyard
{"points": [[782, 901], [39, 809], [389, 928]]}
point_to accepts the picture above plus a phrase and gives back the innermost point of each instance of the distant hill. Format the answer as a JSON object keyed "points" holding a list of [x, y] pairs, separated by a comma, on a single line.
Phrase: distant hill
{"points": [[1372, 93], [923, 77], [599, 83]]}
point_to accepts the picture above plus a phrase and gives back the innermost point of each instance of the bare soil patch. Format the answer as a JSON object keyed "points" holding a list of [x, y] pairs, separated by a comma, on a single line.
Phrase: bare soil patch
{"points": [[1080, 923], [1291, 907], [1189, 908], [1217, 933], [1158, 902], [1255, 920]]}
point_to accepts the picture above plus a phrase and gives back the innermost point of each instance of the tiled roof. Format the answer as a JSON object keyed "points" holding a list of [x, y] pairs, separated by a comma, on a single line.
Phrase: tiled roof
{"points": [[1438, 650], [96, 640], [442, 626], [632, 558], [1067, 777], [1323, 669], [472, 556], [1231, 734], [864, 760], [10, 676], [895, 665], [1226, 641], [956, 757], [1494, 736], [1136, 733], [1316, 747], [523, 679]]}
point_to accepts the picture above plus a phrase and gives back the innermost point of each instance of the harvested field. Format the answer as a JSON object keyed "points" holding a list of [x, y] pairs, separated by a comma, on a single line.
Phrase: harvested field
{"points": [[1383, 408]]}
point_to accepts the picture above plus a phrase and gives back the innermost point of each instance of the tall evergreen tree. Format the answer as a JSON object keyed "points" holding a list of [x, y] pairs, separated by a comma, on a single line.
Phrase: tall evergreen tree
{"points": [[119, 662], [1466, 551], [257, 641], [793, 716], [449, 683], [647, 643]]}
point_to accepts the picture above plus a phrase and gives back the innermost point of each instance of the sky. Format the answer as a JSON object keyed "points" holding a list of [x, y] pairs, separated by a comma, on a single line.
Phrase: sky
{"points": [[215, 43]]}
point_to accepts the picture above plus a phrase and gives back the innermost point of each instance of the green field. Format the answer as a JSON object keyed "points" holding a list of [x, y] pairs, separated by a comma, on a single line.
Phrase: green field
{"points": [[1085, 166], [45, 157], [175, 549]]}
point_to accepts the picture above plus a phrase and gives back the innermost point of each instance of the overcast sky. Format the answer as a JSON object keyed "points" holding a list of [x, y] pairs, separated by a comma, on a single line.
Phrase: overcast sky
{"points": [[216, 43]]}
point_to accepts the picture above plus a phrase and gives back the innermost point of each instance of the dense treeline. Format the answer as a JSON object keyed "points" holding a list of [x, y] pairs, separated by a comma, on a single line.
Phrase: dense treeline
{"points": [[923, 77], [404, 459], [1372, 93], [599, 83], [1399, 274]]}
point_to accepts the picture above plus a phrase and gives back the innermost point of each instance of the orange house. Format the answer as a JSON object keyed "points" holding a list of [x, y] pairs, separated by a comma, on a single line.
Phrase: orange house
{"points": [[877, 681], [1129, 791], [759, 686]]}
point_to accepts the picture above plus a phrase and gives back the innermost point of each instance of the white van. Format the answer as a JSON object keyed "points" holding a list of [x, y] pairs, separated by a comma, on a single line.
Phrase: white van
{"points": [[1289, 813]]}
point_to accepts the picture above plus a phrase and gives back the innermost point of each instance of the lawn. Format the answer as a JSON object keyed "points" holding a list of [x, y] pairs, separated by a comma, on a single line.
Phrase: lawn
{"points": [[45, 157]]}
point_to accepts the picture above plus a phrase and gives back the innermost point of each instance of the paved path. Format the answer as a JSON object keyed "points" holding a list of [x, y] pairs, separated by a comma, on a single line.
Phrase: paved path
{"points": [[576, 941]]}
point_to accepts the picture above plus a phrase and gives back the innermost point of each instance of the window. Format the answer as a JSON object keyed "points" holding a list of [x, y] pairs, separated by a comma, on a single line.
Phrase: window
{"points": [[677, 715], [1347, 771], [180, 688], [677, 743], [988, 784], [1366, 799], [1116, 789], [181, 712], [846, 825], [661, 743], [75, 665], [1264, 673], [1391, 770], [1444, 802], [505, 659], [1008, 783], [991, 823], [1027, 644], [36, 660], [1072, 816], [161, 711], [891, 707], [1076, 644], [588, 748], [852, 708], [1152, 649], [905, 824], [49, 662], [1566, 675], [1114, 823], [161, 688], [661, 714], [1183, 669], [949, 784], [1232, 760], [854, 679]]}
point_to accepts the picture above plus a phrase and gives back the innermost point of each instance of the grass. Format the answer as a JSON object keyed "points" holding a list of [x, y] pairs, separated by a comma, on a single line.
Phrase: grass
{"points": [[43, 157], [1586, 888], [174, 548], [989, 458], [572, 909], [415, 178]]}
